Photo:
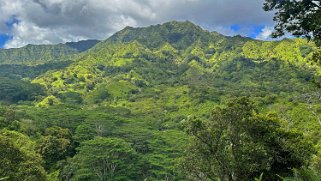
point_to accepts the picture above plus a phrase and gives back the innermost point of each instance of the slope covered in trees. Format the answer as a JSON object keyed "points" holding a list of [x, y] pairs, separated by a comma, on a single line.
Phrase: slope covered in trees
{"points": [[37, 54], [142, 101]]}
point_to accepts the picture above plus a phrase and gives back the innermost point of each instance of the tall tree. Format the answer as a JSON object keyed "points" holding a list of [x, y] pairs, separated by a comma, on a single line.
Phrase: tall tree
{"points": [[55, 145], [299, 17], [237, 144], [104, 159], [19, 161]]}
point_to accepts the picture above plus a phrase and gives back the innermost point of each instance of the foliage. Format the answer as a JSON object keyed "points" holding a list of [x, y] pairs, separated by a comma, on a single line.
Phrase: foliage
{"points": [[48, 101], [55, 145], [303, 174], [105, 159], [301, 18], [17, 90], [14, 71], [238, 144], [18, 158]]}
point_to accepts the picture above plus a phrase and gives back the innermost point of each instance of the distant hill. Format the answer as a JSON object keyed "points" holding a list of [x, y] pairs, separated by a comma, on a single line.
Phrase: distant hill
{"points": [[37, 54]]}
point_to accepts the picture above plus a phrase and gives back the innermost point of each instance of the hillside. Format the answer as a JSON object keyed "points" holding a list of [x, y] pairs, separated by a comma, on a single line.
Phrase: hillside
{"points": [[33, 60], [133, 92], [144, 58], [37, 54]]}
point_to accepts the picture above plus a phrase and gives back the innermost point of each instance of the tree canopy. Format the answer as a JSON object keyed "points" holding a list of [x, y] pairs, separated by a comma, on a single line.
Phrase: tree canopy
{"points": [[236, 143], [299, 17], [18, 158], [107, 159]]}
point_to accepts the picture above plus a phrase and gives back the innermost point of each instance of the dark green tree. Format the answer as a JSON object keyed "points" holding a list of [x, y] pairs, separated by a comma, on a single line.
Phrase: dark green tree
{"points": [[299, 17], [55, 145], [13, 91], [107, 159], [238, 144]]}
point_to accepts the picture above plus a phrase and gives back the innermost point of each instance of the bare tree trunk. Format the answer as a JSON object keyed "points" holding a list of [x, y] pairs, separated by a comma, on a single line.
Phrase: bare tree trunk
{"points": [[310, 107], [99, 129]]}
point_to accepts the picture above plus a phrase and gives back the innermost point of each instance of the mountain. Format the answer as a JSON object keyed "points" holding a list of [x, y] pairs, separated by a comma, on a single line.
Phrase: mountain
{"points": [[182, 69], [180, 35], [181, 53], [133, 91], [37, 54]]}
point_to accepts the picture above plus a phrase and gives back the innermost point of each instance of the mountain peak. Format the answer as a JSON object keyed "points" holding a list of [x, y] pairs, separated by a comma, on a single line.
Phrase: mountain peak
{"points": [[182, 24], [179, 34]]}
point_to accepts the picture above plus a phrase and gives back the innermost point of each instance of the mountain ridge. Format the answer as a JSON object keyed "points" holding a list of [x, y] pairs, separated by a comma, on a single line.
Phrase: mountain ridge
{"points": [[180, 34], [35, 54]]}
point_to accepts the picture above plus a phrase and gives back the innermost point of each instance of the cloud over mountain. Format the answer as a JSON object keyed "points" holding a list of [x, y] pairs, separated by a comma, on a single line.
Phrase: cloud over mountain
{"points": [[55, 21]]}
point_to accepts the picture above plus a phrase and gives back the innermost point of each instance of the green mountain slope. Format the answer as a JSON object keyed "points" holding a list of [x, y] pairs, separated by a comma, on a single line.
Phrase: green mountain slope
{"points": [[36, 54], [18, 71], [147, 57], [141, 68]]}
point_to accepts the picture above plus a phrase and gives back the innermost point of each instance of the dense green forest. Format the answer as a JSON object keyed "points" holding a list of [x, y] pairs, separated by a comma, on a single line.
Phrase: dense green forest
{"points": [[165, 102]]}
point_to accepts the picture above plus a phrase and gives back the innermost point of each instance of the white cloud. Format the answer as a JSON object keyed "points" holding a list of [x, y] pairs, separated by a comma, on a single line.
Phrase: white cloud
{"points": [[266, 33], [55, 21], [28, 33]]}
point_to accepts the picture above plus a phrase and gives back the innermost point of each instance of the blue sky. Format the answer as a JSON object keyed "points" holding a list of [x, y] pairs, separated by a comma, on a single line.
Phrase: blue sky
{"points": [[56, 21], [253, 32], [3, 39]]}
